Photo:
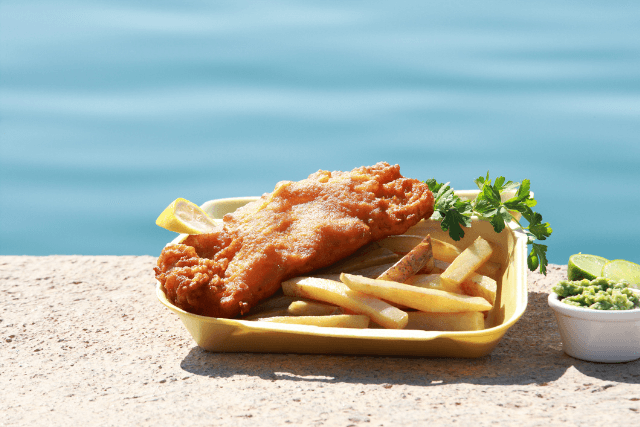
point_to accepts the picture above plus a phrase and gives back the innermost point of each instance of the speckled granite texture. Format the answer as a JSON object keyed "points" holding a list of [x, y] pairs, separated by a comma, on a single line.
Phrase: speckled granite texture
{"points": [[85, 342]]}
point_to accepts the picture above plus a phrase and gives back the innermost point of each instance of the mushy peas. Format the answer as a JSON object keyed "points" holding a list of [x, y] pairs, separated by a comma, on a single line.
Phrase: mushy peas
{"points": [[598, 294]]}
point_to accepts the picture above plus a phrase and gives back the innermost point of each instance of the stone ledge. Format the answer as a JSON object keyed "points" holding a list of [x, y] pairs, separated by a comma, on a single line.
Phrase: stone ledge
{"points": [[83, 340]]}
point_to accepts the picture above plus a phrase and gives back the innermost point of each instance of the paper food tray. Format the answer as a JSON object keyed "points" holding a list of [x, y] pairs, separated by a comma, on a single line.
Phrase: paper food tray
{"points": [[231, 335]]}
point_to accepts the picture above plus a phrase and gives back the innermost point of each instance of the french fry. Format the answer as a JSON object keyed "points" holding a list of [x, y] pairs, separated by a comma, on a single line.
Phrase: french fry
{"points": [[475, 286], [403, 244], [467, 262], [442, 251], [465, 321], [438, 267], [329, 276], [339, 294], [431, 300], [447, 252], [489, 268], [267, 313], [432, 281], [371, 272], [359, 321], [279, 302], [480, 286], [421, 256], [312, 308], [368, 259], [400, 243]]}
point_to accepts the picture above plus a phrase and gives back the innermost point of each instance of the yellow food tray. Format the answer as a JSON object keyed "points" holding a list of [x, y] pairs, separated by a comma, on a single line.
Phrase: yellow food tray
{"points": [[231, 335]]}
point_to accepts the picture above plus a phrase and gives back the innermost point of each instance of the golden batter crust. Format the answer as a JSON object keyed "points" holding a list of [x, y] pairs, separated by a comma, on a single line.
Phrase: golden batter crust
{"points": [[299, 227]]}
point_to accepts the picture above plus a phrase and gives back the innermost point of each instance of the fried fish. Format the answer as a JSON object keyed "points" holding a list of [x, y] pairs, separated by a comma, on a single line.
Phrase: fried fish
{"points": [[299, 227]]}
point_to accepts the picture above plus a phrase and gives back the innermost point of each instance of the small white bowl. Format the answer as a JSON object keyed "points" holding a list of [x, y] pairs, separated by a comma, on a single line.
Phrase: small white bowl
{"points": [[610, 336]]}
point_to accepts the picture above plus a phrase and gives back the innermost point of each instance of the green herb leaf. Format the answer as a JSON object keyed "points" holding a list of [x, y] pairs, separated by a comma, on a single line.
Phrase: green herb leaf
{"points": [[540, 252], [455, 214], [452, 212]]}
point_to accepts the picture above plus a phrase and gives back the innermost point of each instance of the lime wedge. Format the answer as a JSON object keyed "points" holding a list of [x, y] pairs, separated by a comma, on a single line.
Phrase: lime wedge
{"points": [[620, 269], [183, 216], [584, 266]]}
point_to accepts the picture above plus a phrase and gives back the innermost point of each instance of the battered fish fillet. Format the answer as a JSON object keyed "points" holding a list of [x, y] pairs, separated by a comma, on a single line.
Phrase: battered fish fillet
{"points": [[299, 227]]}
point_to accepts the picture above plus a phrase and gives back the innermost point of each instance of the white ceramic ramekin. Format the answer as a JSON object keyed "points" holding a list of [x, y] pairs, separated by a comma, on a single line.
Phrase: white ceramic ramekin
{"points": [[598, 335]]}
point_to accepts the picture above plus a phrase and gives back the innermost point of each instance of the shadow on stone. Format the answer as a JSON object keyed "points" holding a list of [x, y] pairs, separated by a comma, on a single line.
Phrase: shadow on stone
{"points": [[530, 352]]}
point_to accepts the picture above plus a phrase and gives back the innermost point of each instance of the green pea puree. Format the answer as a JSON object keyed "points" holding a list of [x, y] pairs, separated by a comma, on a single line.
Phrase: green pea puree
{"points": [[598, 294]]}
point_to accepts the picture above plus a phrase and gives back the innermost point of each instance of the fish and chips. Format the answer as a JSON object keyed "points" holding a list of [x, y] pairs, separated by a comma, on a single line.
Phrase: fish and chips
{"points": [[333, 246]]}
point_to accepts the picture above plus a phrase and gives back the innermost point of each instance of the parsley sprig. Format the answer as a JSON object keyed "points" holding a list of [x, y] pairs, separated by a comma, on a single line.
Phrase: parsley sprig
{"points": [[455, 213]]}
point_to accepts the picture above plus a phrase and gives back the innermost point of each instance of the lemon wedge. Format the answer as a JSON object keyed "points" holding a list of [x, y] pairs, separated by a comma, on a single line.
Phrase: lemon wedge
{"points": [[183, 216]]}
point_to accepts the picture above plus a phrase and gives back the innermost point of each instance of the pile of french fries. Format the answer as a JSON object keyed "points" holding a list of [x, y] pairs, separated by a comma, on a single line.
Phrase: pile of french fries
{"points": [[400, 282]]}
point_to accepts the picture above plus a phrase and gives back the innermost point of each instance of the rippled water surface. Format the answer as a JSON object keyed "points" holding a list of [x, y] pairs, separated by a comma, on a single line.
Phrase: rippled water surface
{"points": [[109, 110]]}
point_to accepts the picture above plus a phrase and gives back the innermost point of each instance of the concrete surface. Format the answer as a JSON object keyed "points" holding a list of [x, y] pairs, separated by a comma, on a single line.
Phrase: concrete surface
{"points": [[85, 342]]}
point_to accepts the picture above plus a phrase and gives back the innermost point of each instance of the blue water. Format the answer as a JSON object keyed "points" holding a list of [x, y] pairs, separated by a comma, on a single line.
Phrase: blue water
{"points": [[109, 110]]}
